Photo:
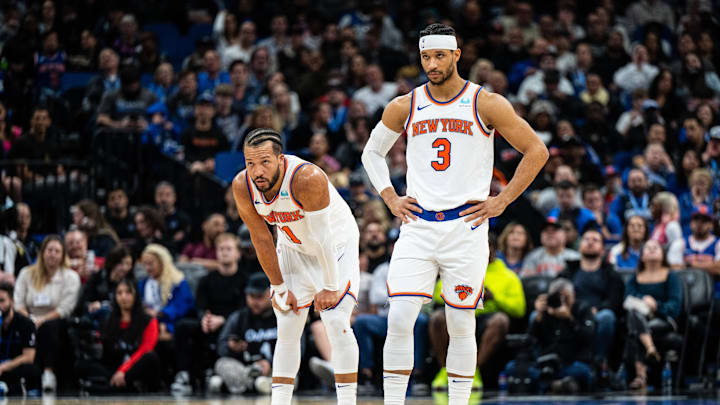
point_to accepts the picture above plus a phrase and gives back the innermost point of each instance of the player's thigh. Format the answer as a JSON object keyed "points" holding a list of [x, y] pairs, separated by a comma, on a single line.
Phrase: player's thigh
{"points": [[413, 270], [297, 270], [463, 260]]}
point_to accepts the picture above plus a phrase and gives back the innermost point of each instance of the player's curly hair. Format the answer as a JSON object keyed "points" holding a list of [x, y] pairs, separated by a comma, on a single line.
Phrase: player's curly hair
{"points": [[437, 29]]}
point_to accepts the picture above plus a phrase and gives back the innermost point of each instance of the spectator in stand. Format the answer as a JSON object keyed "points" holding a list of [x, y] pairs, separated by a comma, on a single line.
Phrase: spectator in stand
{"points": [[228, 121], [700, 249], [128, 43], [247, 342], [320, 115], [658, 166], [227, 37], [666, 214], [125, 108], [635, 200], [204, 251], [39, 142], [80, 258], [88, 218], [232, 217], [149, 56], [213, 74], [637, 74], [700, 192], [503, 298], [163, 86], [249, 263], [97, 293], [47, 292], [18, 347], [118, 215], [204, 140], [182, 104], [50, 63], [373, 242], [608, 223], [150, 227], [128, 338], [105, 82], [165, 293], [25, 246], [566, 328], [218, 294], [85, 57], [177, 222], [552, 257], [582, 217], [318, 154], [514, 244], [626, 254], [377, 93], [598, 286], [242, 93], [654, 292], [357, 134]]}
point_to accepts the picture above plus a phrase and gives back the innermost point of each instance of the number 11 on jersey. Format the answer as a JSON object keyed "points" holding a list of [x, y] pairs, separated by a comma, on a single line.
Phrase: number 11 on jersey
{"points": [[289, 233]]}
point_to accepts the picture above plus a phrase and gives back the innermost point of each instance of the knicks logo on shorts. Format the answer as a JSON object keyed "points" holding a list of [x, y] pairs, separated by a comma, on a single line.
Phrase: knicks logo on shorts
{"points": [[463, 291]]}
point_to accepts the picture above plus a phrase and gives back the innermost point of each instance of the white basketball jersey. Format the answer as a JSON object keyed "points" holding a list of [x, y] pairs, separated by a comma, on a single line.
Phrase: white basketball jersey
{"points": [[288, 215], [449, 150]]}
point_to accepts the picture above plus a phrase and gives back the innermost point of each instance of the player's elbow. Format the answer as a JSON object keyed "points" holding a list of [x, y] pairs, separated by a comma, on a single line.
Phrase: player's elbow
{"points": [[367, 156], [541, 152]]}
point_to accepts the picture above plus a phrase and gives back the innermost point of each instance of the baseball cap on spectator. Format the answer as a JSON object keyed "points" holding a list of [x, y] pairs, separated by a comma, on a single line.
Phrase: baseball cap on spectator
{"points": [[715, 133], [205, 98], [650, 104], [701, 211], [552, 221], [542, 106], [224, 89], [257, 283], [244, 236]]}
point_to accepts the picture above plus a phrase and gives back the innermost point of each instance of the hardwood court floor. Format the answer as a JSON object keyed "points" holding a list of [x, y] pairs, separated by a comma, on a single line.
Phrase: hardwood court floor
{"points": [[328, 400]]}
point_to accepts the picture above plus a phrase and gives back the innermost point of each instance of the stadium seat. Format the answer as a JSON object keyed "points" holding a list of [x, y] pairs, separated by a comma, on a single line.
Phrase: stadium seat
{"points": [[75, 79], [193, 273], [699, 296], [228, 164]]}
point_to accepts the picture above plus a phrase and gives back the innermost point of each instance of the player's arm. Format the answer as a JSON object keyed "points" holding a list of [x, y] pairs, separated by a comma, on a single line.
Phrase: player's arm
{"points": [[261, 239], [310, 188], [382, 138], [497, 112]]}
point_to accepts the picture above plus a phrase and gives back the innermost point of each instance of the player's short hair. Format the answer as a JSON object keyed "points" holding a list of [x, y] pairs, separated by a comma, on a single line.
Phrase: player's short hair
{"points": [[259, 136], [437, 29]]}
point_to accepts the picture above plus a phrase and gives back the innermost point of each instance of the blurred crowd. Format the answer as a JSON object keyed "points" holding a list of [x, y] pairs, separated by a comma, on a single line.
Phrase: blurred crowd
{"points": [[126, 290]]}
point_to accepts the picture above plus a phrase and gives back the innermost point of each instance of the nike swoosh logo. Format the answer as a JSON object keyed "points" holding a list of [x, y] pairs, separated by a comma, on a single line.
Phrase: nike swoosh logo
{"points": [[472, 228], [420, 108], [277, 386], [459, 381], [341, 386], [389, 376], [257, 202]]}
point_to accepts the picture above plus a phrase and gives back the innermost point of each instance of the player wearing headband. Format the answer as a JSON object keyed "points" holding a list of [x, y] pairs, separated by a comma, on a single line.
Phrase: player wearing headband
{"points": [[316, 259], [450, 124]]}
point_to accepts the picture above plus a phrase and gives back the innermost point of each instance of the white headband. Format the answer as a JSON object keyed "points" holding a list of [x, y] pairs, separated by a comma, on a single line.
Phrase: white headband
{"points": [[437, 42]]}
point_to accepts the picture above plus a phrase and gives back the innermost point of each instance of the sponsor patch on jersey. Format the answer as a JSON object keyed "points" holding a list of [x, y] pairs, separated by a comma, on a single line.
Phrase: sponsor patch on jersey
{"points": [[463, 291], [283, 193], [465, 100]]}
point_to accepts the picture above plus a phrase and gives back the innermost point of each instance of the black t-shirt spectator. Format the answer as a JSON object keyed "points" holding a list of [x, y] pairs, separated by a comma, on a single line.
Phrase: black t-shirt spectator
{"points": [[177, 221], [203, 145], [118, 107], [28, 147], [19, 335], [124, 227], [221, 295]]}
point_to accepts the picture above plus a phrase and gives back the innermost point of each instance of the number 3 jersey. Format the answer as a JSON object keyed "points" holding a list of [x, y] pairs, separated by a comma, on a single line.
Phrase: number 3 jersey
{"points": [[288, 215], [449, 149]]}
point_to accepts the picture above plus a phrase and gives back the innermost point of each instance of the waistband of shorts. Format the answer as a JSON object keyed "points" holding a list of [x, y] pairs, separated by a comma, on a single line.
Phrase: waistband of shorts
{"points": [[439, 216]]}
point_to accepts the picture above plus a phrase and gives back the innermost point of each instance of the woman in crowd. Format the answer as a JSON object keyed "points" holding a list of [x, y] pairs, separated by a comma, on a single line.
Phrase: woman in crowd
{"points": [[165, 293], [700, 192], [46, 292], [626, 254], [662, 90], [514, 244], [128, 339], [88, 218], [665, 211], [654, 292], [97, 294]]}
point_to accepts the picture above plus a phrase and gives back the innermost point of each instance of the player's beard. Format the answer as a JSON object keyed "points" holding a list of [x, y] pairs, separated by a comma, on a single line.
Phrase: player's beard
{"points": [[444, 76], [271, 183]]}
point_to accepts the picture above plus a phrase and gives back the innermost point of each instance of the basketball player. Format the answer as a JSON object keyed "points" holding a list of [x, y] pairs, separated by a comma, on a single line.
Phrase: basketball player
{"points": [[450, 124], [316, 258]]}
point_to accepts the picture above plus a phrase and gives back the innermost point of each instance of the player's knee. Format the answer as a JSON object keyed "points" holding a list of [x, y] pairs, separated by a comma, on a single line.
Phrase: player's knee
{"points": [[402, 316], [460, 322]]}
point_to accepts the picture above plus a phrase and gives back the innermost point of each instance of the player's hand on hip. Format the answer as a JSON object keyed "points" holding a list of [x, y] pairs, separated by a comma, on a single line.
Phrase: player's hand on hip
{"points": [[326, 299], [404, 207], [478, 213]]}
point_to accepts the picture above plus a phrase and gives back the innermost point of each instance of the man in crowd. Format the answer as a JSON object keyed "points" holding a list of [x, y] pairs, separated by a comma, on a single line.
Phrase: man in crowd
{"points": [[177, 222], [18, 353], [203, 252], [699, 250], [552, 257], [118, 215]]}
